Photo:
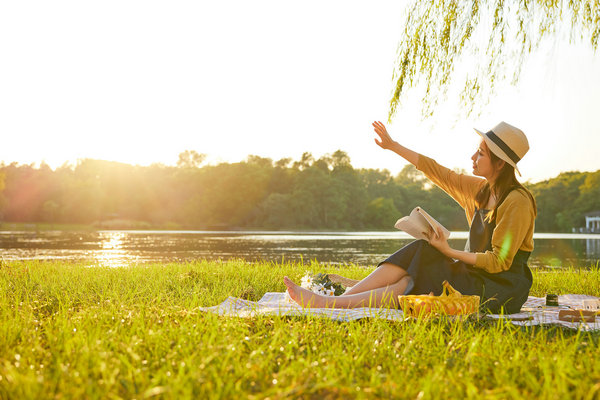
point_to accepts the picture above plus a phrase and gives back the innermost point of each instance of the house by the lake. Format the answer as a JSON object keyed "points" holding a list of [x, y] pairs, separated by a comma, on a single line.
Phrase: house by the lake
{"points": [[592, 222]]}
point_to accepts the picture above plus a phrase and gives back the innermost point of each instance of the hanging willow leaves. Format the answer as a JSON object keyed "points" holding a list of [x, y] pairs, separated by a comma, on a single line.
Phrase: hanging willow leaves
{"points": [[472, 45]]}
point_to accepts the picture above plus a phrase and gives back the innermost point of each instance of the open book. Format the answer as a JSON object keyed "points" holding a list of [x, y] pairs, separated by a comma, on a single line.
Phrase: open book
{"points": [[419, 224]]}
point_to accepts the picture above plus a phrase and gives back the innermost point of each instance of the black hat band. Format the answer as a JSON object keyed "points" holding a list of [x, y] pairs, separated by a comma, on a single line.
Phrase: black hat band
{"points": [[503, 146]]}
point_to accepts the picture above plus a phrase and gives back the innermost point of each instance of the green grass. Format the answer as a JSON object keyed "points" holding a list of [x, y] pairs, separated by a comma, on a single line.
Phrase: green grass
{"points": [[69, 331]]}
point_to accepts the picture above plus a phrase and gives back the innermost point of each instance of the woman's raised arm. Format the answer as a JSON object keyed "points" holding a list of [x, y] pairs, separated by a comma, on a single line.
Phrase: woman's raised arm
{"points": [[387, 143]]}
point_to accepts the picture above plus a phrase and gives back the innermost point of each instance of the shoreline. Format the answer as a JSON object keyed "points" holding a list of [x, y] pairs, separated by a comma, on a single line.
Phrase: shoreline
{"points": [[46, 227]]}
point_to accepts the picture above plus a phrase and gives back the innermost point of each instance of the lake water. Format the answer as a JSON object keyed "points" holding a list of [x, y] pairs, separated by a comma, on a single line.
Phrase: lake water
{"points": [[121, 248]]}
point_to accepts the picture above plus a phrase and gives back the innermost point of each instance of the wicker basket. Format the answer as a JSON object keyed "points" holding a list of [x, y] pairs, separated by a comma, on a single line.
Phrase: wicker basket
{"points": [[450, 302], [347, 282]]}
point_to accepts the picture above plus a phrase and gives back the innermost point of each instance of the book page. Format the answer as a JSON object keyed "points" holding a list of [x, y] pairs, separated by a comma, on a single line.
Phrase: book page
{"points": [[433, 223], [414, 224], [419, 223]]}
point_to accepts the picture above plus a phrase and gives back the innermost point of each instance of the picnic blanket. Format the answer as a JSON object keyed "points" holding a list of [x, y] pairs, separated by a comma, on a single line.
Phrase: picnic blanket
{"points": [[533, 312]]}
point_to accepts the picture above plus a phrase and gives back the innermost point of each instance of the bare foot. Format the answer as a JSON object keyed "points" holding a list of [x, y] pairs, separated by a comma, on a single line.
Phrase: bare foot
{"points": [[304, 297]]}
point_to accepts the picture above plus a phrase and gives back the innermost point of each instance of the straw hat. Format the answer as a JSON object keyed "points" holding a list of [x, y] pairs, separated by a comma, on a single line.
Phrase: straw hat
{"points": [[507, 142]]}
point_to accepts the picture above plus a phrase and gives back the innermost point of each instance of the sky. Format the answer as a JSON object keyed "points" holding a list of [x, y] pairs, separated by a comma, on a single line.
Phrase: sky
{"points": [[141, 81]]}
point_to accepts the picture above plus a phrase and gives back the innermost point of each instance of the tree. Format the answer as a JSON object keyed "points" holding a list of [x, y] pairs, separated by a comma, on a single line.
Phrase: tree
{"points": [[340, 159], [557, 199], [589, 195], [410, 175], [49, 210], [381, 213], [442, 38], [276, 212], [259, 161], [283, 163], [190, 159], [327, 193], [304, 162]]}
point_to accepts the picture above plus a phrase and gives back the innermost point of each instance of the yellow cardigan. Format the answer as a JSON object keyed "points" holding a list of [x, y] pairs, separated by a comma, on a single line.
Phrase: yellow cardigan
{"points": [[515, 218]]}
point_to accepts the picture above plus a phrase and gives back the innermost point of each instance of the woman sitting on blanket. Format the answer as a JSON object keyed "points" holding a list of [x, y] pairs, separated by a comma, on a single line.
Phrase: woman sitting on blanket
{"points": [[501, 215]]}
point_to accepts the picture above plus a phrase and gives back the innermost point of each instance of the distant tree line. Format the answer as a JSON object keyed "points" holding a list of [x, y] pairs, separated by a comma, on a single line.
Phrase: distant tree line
{"points": [[259, 193]]}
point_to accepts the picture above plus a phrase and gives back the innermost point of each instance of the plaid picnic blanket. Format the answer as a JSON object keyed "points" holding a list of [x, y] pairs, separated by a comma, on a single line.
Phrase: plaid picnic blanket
{"points": [[533, 312]]}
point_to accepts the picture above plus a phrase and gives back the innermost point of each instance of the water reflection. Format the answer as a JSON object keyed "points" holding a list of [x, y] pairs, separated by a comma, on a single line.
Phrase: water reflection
{"points": [[120, 248], [112, 253], [592, 247]]}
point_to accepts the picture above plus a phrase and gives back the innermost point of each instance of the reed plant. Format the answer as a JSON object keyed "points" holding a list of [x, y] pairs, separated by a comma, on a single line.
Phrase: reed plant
{"points": [[70, 330]]}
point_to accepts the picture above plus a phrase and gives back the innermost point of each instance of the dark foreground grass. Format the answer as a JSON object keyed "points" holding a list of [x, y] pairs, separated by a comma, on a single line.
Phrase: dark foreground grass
{"points": [[68, 331]]}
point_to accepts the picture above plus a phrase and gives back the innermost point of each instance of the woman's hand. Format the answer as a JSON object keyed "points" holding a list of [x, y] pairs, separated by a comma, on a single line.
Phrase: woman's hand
{"points": [[437, 240], [385, 141]]}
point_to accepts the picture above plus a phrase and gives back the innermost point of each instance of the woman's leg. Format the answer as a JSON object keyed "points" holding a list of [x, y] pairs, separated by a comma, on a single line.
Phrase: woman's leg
{"points": [[387, 295], [384, 275]]}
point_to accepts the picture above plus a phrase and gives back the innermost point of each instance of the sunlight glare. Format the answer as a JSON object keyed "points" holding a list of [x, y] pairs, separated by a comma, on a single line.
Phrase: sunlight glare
{"points": [[112, 253]]}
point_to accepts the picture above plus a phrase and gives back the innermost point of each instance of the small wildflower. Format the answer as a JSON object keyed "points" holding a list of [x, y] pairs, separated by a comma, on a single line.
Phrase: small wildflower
{"points": [[321, 284], [307, 281]]}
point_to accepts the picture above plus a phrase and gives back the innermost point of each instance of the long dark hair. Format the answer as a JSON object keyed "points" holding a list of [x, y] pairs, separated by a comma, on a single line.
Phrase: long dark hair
{"points": [[505, 183]]}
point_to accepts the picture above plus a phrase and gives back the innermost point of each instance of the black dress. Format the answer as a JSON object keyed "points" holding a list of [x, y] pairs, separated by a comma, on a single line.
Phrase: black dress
{"points": [[503, 291]]}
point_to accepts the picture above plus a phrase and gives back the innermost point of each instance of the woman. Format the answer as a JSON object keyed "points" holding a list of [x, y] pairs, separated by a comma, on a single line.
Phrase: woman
{"points": [[501, 215]]}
